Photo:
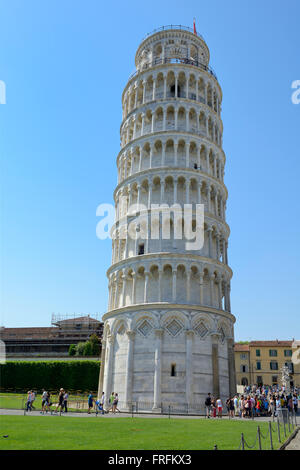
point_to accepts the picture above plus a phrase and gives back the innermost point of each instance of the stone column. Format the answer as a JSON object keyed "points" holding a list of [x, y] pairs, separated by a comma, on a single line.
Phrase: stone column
{"points": [[176, 86], [134, 288], [152, 122], [189, 368], [143, 123], [146, 283], [165, 87], [159, 284], [209, 230], [129, 370], [109, 369], [174, 281], [150, 195], [199, 192], [215, 365], [175, 190], [201, 288], [150, 156], [231, 367], [175, 154], [154, 89], [211, 288], [187, 155], [144, 92], [187, 191], [124, 278], [101, 374], [116, 302], [163, 150], [188, 285], [157, 371]]}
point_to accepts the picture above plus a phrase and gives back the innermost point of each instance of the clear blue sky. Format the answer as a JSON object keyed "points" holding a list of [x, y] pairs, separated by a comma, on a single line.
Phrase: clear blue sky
{"points": [[65, 64]]}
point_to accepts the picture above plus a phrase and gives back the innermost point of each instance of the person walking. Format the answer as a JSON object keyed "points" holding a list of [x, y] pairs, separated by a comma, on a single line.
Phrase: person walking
{"points": [[220, 407], [102, 400], [32, 399], [90, 402], [28, 402], [208, 405], [65, 402], [60, 400], [115, 403], [44, 401]]}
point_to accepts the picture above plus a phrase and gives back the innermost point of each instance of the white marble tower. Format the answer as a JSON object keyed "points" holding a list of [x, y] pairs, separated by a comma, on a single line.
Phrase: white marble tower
{"points": [[168, 333]]}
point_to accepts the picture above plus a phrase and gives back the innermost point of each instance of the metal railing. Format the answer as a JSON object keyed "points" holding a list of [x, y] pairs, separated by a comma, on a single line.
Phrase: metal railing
{"points": [[285, 424], [179, 27], [174, 60]]}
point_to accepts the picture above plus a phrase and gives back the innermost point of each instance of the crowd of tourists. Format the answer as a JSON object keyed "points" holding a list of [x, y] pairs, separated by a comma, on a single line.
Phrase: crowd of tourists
{"points": [[254, 402], [61, 403]]}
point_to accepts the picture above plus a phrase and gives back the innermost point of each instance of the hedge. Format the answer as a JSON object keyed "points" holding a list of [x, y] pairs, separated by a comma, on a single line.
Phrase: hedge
{"points": [[50, 375]]}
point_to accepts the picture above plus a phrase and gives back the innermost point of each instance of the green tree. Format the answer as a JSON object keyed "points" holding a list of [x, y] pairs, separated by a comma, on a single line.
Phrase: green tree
{"points": [[95, 342], [80, 349], [72, 350], [88, 350]]}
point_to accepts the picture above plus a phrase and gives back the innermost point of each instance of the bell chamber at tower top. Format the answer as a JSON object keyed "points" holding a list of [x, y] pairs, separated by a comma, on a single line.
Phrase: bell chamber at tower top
{"points": [[168, 45]]}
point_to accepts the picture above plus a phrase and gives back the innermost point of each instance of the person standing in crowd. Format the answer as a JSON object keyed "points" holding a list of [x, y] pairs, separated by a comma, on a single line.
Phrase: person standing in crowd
{"points": [[28, 402], [60, 400], [102, 400], [90, 402], [208, 405], [111, 400], [295, 402], [32, 399], [236, 405], [65, 402], [115, 404], [220, 407], [214, 407], [44, 401]]}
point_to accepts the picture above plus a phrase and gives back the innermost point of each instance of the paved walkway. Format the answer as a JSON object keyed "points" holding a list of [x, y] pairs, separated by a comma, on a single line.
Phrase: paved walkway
{"points": [[120, 415], [295, 443]]}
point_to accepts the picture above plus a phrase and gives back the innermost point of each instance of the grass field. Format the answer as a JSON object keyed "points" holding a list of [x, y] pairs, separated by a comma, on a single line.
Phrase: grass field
{"points": [[17, 401], [68, 433]]}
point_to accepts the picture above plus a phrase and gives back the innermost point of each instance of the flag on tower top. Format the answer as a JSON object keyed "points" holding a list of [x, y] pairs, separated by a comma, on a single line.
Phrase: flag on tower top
{"points": [[195, 32]]}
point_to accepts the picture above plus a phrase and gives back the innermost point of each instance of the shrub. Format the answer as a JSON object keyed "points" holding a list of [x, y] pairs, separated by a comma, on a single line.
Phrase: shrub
{"points": [[51, 375], [72, 350]]}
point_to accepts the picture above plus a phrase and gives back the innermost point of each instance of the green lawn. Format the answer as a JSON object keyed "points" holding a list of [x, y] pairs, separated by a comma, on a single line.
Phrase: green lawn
{"points": [[17, 401], [54, 432]]}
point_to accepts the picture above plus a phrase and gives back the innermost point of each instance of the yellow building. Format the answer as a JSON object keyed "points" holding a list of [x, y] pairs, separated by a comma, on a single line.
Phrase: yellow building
{"points": [[260, 362], [242, 363]]}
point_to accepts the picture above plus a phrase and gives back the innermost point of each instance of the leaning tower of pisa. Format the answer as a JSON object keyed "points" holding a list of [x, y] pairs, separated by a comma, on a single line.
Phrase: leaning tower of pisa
{"points": [[168, 332]]}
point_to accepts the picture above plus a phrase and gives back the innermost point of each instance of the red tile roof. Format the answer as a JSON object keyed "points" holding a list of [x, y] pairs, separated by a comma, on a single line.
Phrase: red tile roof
{"points": [[241, 347], [274, 343]]}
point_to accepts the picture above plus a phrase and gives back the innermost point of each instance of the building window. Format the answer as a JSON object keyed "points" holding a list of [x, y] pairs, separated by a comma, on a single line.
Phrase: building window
{"points": [[243, 356], [273, 365], [258, 365], [274, 379], [243, 368], [244, 381], [259, 380], [258, 352], [273, 352], [288, 352], [173, 370], [141, 249], [290, 365]]}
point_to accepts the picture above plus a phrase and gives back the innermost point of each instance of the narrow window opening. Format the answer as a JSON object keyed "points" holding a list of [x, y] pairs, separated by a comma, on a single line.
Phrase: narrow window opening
{"points": [[141, 249], [173, 370]]}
